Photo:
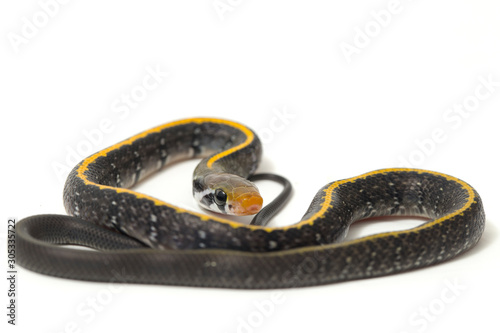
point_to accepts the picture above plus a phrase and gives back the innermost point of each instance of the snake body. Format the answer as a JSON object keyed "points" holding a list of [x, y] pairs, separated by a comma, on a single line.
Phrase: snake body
{"points": [[145, 240]]}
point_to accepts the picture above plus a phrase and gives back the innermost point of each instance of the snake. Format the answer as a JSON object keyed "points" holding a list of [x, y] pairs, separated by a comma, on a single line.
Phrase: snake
{"points": [[141, 239]]}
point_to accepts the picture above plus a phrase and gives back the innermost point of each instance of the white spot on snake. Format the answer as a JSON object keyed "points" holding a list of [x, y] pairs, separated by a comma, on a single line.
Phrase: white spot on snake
{"points": [[113, 203], [391, 184], [318, 237], [272, 244], [153, 218], [202, 234], [202, 245], [236, 241], [210, 264]]}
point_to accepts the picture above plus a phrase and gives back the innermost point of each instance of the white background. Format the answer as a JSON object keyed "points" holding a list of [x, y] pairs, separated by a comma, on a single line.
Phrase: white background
{"points": [[254, 62]]}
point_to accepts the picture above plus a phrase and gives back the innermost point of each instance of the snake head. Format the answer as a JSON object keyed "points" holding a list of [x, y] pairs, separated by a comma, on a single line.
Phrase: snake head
{"points": [[228, 194]]}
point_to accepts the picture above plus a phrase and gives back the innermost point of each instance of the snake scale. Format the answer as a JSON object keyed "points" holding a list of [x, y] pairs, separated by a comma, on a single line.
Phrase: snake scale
{"points": [[142, 239]]}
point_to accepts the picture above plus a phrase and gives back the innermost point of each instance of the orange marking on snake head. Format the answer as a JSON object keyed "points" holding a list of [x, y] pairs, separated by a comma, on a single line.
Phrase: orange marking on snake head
{"points": [[245, 199], [248, 204]]}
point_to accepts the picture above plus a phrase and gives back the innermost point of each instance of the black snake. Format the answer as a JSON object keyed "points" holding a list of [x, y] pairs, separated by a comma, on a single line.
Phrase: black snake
{"points": [[145, 240]]}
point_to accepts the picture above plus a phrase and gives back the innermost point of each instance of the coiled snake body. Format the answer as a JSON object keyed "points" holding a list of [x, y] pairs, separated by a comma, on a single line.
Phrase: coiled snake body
{"points": [[144, 240]]}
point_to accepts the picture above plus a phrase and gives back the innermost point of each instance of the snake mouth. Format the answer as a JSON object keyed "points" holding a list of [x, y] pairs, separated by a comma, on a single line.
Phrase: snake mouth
{"points": [[248, 204]]}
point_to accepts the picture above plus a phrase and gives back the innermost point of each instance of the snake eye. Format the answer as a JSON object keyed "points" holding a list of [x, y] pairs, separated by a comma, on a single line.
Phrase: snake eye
{"points": [[220, 197]]}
